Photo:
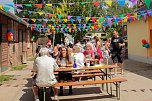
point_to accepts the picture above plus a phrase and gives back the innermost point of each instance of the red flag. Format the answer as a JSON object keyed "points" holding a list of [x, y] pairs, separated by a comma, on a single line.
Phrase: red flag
{"points": [[39, 5], [96, 3], [51, 15]]}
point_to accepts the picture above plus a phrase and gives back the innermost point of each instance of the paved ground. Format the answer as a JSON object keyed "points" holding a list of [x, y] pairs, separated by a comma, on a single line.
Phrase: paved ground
{"points": [[137, 88]]}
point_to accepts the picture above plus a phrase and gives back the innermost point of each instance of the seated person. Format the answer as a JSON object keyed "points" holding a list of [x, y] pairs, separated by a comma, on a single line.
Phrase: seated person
{"points": [[89, 54], [44, 68], [63, 61]]}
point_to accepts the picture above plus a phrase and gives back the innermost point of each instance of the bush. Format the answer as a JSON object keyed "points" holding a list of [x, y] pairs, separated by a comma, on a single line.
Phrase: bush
{"points": [[19, 67]]}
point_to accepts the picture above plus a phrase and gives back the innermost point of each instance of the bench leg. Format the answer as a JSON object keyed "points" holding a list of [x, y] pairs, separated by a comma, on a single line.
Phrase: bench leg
{"points": [[118, 90], [110, 83]]}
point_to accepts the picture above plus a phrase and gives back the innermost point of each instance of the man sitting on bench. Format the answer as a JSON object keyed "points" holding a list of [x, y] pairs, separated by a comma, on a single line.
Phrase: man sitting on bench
{"points": [[44, 67]]}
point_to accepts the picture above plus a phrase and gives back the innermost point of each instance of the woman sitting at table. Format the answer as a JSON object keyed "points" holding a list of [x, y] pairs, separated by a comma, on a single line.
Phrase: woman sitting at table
{"points": [[89, 54], [44, 69], [55, 53], [63, 61]]}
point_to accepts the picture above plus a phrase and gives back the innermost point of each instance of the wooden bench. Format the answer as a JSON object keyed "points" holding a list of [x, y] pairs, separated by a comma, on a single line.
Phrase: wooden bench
{"points": [[115, 81]]}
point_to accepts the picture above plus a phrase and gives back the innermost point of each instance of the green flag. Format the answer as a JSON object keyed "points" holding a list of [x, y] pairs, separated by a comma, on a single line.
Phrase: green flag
{"points": [[138, 17], [147, 2], [6, 9], [28, 5]]}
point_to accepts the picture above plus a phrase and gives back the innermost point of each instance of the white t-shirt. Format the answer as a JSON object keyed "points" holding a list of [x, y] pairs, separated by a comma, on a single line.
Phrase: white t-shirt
{"points": [[79, 57], [44, 66]]}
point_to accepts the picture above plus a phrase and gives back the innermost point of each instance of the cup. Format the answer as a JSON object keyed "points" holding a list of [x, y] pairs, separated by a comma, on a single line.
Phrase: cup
{"points": [[88, 64]]}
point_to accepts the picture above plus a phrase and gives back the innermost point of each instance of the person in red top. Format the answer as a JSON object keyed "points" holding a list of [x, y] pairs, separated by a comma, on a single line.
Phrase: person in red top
{"points": [[89, 53], [98, 53]]}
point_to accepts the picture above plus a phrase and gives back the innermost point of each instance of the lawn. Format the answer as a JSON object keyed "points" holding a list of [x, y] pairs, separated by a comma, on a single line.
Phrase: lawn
{"points": [[19, 67]]}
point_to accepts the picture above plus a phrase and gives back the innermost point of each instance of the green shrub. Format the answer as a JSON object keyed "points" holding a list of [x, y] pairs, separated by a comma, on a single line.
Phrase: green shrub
{"points": [[19, 67], [5, 78]]}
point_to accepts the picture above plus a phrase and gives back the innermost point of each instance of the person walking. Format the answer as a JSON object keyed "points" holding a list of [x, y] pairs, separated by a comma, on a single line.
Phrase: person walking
{"points": [[117, 43]]}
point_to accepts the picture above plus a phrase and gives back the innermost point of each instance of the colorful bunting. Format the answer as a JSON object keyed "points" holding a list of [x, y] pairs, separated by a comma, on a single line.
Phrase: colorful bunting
{"points": [[1, 7], [122, 2], [28, 5], [148, 2], [19, 5], [96, 3], [109, 2], [49, 5], [6, 9], [134, 2]]}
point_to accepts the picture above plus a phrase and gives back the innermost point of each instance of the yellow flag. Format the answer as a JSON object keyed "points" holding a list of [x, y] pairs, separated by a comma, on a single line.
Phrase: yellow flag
{"points": [[27, 25], [1, 7], [49, 5], [49, 26], [125, 19], [74, 25], [52, 27], [87, 19], [135, 14], [109, 2], [33, 20], [40, 13], [70, 30], [86, 30], [92, 27], [65, 20]]}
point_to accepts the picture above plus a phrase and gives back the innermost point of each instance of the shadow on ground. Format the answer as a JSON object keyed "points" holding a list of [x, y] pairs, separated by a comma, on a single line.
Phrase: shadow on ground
{"points": [[139, 68]]}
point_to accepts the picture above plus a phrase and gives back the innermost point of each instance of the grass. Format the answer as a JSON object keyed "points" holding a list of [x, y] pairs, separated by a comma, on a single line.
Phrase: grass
{"points": [[5, 78], [19, 67]]}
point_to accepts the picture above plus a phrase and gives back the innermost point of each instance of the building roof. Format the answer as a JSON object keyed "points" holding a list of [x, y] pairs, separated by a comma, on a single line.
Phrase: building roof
{"points": [[12, 16]]}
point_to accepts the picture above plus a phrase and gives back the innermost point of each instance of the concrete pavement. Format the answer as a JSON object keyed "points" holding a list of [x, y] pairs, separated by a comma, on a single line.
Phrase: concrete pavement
{"points": [[137, 88]]}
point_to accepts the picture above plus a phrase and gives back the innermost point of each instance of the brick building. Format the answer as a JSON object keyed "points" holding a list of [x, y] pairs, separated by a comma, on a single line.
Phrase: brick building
{"points": [[17, 51]]}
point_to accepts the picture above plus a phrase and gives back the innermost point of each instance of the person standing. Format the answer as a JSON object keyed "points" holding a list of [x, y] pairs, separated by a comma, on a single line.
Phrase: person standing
{"points": [[117, 43]]}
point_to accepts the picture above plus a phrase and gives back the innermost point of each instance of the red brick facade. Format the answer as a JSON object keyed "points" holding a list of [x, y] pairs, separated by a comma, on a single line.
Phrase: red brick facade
{"points": [[17, 51]]}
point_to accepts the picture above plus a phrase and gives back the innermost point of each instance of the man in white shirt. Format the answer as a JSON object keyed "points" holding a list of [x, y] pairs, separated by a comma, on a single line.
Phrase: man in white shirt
{"points": [[44, 67]]}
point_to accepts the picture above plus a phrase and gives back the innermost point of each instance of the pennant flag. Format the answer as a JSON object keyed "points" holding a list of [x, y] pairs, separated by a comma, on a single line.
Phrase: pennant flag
{"points": [[39, 5], [79, 20], [53, 20], [28, 5], [34, 20], [135, 14], [30, 12], [101, 19], [19, 5], [94, 20], [109, 2], [10, 4], [26, 19], [49, 5], [128, 15], [7, 9], [84, 25], [39, 20], [1, 7], [72, 21], [83, 3], [121, 16], [46, 20], [59, 16], [72, 3], [65, 20], [69, 17], [51, 15], [134, 2], [19, 10], [19, 19], [148, 2], [87, 19], [40, 13], [125, 19], [122, 2], [96, 3]]}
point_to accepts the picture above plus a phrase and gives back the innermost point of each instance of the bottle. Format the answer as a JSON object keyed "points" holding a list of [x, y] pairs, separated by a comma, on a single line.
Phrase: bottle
{"points": [[74, 65]]}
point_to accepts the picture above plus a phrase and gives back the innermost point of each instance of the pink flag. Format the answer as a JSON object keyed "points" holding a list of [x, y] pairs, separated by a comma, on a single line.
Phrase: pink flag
{"points": [[134, 2], [19, 5], [19, 10]]}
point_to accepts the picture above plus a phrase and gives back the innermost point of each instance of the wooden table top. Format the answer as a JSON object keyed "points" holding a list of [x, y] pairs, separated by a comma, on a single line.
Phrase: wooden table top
{"points": [[102, 66]]}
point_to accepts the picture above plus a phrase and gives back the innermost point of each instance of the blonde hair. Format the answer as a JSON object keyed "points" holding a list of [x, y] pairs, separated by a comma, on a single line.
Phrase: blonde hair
{"points": [[76, 49]]}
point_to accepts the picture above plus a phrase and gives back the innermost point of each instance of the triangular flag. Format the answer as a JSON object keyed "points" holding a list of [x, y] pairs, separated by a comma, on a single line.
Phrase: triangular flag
{"points": [[148, 2], [40, 13], [79, 20], [135, 14], [46, 20], [49, 5], [71, 3], [1, 7], [109, 2], [83, 3], [96, 3], [51, 15], [19, 19], [28, 5], [53, 20], [19, 10], [121, 2], [121, 16], [94, 20], [134, 2], [59, 16], [125, 19], [19, 5], [6, 9], [10, 4], [30, 12], [69, 17], [101, 19], [33, 20], [87, 19], [39, 5], [65, 20]]}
